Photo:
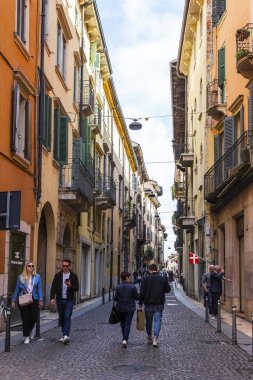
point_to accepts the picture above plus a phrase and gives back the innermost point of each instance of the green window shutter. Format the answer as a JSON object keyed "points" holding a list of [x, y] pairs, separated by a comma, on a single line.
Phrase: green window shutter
{"points": [[250, 108], [49, 122], [56, 133], [241, 120], [215, 16], [93, 51], [63, 154], [44, 132], [221, 8], [77, 149], [221, 66], [97, 61]]}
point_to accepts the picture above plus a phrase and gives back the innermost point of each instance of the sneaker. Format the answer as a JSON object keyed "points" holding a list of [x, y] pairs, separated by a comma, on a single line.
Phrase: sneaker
{"points": [[31, 336], [149, 340], [212, 317], [66, 339], [155, 343], [61, 339], [27, 340], [124, 343]]}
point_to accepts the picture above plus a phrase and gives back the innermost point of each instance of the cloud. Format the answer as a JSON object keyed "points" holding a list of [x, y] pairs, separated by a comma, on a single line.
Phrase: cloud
{"points": [[142, 37]]}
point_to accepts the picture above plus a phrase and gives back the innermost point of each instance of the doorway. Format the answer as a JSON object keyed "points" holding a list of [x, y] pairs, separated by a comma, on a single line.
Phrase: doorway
{"points": [[85, 271], [42, 252]]}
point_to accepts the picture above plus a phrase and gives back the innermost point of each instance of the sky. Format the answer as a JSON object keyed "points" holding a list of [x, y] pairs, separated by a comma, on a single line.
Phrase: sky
{"points": [[142, 37]]}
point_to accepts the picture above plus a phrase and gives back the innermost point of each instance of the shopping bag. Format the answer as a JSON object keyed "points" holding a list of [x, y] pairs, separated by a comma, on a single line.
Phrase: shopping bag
{"points": [[25, 299], [114, 316], [140, 320]]}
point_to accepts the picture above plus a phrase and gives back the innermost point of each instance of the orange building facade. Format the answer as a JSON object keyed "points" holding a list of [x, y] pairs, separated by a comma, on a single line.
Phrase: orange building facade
{"points": [[18, 84]]}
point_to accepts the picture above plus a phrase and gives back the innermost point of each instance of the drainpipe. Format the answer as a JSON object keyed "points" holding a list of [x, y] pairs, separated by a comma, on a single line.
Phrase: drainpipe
{"points": [[41, 99], [112, 213]]}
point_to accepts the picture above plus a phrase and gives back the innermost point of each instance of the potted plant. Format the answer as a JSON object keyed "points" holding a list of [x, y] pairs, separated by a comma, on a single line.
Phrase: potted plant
{"points": [[241, 53], [242, 34]]}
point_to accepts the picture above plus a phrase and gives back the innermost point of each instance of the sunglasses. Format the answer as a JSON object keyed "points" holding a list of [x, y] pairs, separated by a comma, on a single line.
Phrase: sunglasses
{"points": [[65, 266], [30, 265]]}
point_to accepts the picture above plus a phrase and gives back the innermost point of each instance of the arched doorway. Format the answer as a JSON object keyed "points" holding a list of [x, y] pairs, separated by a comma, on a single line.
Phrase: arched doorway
{"points": [[46, 250]]}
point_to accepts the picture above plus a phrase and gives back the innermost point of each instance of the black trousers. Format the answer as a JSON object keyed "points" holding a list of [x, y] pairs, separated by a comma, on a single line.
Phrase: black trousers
{"points": [[215, 298], [29, 316]]}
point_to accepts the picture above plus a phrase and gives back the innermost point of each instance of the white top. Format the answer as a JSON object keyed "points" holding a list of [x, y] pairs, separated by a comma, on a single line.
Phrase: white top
{"points": [[64, 286], [29, 285]]}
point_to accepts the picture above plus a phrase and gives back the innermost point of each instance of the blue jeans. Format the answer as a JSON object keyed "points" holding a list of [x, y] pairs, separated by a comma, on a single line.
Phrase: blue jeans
{"points": [[125, 323], [65, 308], [157, 315]]}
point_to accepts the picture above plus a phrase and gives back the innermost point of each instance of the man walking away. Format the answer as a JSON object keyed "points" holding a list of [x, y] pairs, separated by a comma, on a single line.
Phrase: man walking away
{"points": [[206, 283], [64, 286], [152, 294]]}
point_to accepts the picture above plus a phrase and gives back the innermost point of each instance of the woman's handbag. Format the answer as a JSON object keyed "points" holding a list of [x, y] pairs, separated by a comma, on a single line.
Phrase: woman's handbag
{"points": [[114, 316], [140, 320], [25, 299]]}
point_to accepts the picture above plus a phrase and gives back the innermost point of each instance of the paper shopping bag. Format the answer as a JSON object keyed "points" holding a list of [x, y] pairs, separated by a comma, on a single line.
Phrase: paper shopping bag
{"points": [[140, 320]]}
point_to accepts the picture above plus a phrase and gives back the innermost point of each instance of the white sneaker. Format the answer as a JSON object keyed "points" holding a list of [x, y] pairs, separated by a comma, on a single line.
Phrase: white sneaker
{"points": [[61, 339], [31, 336], [66, 339], [149, 340], [155, 343], [124, 343], [27, 340]]}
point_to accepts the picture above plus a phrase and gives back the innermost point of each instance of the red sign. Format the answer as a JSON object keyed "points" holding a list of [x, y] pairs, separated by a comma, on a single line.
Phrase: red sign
{"points": [[193, 258]]}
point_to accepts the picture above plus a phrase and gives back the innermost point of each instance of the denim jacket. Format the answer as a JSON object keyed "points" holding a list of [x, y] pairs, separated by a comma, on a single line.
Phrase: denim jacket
{"points": [[21, 287]]}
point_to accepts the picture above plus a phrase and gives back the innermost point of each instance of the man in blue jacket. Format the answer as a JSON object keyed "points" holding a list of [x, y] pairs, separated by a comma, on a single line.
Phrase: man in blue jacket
{"points": [[152, 294]]}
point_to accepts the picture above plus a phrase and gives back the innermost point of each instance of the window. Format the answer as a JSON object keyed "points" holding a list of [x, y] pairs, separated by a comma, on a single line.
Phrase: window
{"points": [[103, 227], [48, 123], [61, 51], [22, 20], [221, 74], [219, 7], [76, 82], [21, 126], [120, 194], [60, 152], [108, 231]]}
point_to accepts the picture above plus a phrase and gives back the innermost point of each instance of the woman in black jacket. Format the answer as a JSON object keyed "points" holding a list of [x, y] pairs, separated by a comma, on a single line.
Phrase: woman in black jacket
{"points": [[126, 294]]}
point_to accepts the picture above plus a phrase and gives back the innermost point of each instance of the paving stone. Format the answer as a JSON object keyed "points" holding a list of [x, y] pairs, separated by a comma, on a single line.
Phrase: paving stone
{"points": [[189, 349]]}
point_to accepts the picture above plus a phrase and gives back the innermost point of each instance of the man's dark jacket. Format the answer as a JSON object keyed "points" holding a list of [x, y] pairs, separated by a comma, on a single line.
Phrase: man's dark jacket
{"points": [[56, 288], [153, 289], [216, 282]]}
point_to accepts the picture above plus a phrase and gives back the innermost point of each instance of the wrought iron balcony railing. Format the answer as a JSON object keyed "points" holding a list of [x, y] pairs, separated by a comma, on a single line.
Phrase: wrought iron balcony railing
{"points": [[88, 104], [216, 107], [98, 182], [95, 120], [244, 50], [110, 188], [237, 158]]}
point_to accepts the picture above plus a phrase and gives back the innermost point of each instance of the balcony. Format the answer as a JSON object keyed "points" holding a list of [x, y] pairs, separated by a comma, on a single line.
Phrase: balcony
{"points": [[216, 108], [187, 157], [229, 168], [88, 99], [76, 182], [98, 183], [186, 221], [179, 190], [107, 199], [130, 217], [244, 51], [95, 121]]}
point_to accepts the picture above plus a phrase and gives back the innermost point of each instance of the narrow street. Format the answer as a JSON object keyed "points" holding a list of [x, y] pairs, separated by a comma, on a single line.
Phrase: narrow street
{"points": [[189, 349]]}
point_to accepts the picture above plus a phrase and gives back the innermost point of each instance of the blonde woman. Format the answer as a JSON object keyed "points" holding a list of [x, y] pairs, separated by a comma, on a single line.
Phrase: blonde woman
{"points": [[28, 281]]}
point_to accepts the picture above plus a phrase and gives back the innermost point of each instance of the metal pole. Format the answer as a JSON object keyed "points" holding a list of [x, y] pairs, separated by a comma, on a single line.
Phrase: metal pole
{"points": [[8, 331], [207, 313], [103, 296], [113, 292], [109, 294], [219, 318], [37, 333], [252, 337], [234, 333]]}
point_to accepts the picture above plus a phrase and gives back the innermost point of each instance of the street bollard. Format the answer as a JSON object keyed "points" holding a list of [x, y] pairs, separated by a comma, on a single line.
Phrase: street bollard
{"points": [[103, 296], [8, 331], [109, 294], [207, 311], [252, 337], [37, 331], [234, 332], [219, 318]]}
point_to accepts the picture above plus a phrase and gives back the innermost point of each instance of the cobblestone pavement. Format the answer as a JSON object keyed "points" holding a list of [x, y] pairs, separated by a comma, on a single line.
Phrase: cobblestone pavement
{"points": [[189, 349]]}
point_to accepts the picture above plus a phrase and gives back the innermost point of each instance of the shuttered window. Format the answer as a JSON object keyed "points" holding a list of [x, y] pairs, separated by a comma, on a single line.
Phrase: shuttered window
{"points": [[60, 152], [217, 156], [48, 123], [250, 108], [21, 127], [218, 8], [229, 140], [221, 67]]}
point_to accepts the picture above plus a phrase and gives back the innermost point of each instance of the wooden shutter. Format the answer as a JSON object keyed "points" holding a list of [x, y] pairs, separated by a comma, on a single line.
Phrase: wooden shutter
{"points": [[28, 131], [49, 123], [97, 61], [93, 51], [63, 154], [228, 142], [77, 149], [221, 8], [44, 132], [242, 120], [250, 108], [15, 114], [56, 133], [215, 15], [221, 66]]}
